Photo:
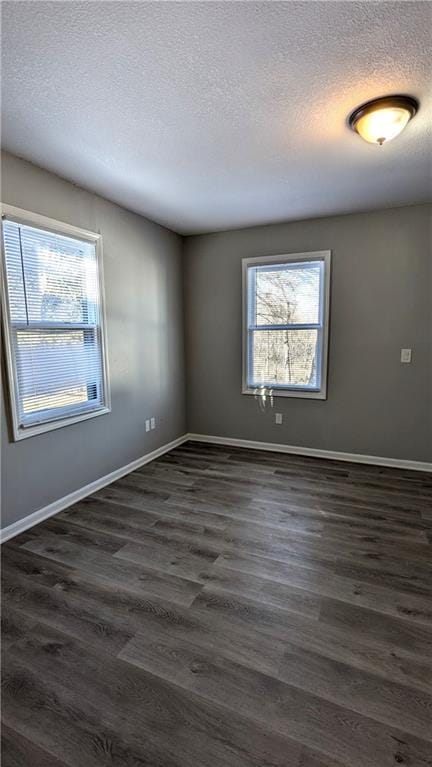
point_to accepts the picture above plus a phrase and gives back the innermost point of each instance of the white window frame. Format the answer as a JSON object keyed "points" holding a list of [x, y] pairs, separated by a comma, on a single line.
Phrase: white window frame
{"points": [[25, 217], [323, 326]]}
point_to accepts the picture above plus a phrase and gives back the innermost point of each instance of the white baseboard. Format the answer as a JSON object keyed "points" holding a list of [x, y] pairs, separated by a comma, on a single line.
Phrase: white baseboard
{"points": [[333, 455], [62, 503]]}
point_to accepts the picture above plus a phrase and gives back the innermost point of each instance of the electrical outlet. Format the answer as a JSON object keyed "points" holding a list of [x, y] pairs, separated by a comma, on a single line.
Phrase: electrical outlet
{"points": [[278, 418], [153, 423], [147, 425], [405, 355]]}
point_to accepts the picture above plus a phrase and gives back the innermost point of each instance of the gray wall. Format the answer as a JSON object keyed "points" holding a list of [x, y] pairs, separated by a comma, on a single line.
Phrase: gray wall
{"points": [[381, 301], [143, 285]]}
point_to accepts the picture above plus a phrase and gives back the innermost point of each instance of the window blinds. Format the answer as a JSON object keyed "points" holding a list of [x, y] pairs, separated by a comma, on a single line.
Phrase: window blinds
{"points": [[55, 329]]}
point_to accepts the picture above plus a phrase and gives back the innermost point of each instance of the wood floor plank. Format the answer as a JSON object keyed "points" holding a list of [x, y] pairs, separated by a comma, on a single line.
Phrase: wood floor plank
{"points": [[288, 710], [276, 513], [360, 476], [379, 540], [298, 492], [414, 607], [239, 534], [17, 751], [59, 610], [270, 592], [164, 485], [14, 626], [127, 613], [128, 496], [365, 693], [140, 579], [55, 717], [191, 729], [17, 560], [110, 516], [316, 550], [370, 549], [419, 581], [185, 560], [336, 521], [81, 537], [383, 629], [93, 508], [182, 474], [400, 663], [310, 758], [224, 607]]}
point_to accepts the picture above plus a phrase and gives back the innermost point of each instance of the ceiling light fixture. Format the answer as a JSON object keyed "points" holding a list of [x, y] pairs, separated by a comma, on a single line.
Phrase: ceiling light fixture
{"points": [[382, 119]]}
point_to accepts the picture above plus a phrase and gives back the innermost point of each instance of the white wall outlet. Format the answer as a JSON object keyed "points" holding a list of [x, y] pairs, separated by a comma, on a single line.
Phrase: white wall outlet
{"points": [[278, 418], [405, 355], [147, 425], [153, 423]]}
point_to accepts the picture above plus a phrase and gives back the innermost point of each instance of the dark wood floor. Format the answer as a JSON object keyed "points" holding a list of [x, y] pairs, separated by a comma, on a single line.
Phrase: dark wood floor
{"points": [[224, 608]]}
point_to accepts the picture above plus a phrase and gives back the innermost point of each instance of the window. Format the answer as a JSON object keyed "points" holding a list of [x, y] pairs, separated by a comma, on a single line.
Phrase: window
{"points": [[285, 324], [54, 329]]}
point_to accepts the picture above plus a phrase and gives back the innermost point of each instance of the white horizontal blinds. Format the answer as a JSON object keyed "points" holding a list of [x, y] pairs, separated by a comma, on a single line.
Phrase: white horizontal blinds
{"points": [[285, 324], [55, 323]]}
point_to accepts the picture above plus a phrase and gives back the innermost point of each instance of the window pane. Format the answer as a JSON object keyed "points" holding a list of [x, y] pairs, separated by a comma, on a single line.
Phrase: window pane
{"points": [[57, 369], [288, 294], [55, 332], [285, 358], [60, 277]]}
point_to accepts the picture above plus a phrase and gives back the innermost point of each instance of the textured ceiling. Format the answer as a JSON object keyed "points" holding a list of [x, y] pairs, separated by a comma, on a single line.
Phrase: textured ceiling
{"points": [[212, 115]]}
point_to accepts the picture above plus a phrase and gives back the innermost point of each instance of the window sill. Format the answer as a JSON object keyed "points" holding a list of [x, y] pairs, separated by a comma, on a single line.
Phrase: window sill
{"points": [[299, 393], [41, 428]]}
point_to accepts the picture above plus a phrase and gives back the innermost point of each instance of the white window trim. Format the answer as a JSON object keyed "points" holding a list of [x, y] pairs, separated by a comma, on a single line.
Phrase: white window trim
{"points": [[35, 219], [286, 258]]}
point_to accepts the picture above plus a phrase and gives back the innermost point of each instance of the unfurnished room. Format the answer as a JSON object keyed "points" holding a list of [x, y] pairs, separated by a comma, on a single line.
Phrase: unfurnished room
{"points": [[216, 383]]}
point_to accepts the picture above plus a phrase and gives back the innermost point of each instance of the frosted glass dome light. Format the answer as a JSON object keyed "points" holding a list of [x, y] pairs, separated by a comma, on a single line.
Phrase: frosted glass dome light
{"points": [[383, 119]]}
